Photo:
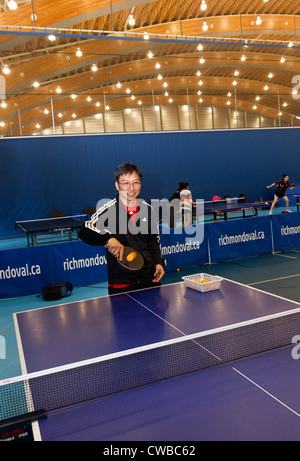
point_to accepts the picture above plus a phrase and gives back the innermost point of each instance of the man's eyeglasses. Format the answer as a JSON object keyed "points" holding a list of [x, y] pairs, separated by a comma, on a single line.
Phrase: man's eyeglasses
{"points": [[127, 184]]}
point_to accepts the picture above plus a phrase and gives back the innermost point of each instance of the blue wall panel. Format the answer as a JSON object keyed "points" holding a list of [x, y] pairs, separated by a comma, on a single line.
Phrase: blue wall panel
{"points": [[40, 174]]}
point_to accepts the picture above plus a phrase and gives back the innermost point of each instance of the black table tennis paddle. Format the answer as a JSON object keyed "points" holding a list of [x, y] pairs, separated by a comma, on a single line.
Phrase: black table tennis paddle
{"points": [[132, 259]]}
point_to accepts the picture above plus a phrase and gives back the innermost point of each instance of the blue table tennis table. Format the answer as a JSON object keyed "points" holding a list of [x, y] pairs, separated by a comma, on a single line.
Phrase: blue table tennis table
{"points": [[220, 210], [254, 398], [50, 230]]}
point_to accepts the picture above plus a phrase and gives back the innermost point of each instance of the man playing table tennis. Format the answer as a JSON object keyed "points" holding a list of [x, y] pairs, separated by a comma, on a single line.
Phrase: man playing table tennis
{"points": [[127, 221]]}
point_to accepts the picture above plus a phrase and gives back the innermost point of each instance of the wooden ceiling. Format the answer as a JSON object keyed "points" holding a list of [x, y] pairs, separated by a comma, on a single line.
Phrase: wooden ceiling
{"points": [[238, 57]]}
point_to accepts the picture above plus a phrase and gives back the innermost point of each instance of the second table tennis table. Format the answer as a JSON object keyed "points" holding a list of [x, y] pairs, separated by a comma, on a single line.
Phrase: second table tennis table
{"points": [[50, 230], [221, 209], [254, 398]]}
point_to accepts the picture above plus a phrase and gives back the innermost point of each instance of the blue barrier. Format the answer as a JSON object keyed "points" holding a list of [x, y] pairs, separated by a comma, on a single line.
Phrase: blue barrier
{"points": [[25, 271], [239, 239], [286, 231], [181, 250]]}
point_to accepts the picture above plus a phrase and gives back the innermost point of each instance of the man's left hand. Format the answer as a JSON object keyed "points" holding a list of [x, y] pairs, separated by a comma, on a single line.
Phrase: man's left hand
{"points": [[159, 273]]}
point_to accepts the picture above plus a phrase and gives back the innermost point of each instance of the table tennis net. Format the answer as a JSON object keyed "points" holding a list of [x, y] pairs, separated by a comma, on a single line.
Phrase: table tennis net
{"points": [[62, 387]]}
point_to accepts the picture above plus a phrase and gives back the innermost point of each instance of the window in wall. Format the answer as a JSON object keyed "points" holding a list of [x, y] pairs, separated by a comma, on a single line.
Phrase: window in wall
{"points": [[220, 115], [49, 131], [252, 120], [204, 117], [187, 117], [169, 116], [73, 126], [133, 119], [151, 116], [266, 121], [114, 121], [94, 124], [237, 119]]}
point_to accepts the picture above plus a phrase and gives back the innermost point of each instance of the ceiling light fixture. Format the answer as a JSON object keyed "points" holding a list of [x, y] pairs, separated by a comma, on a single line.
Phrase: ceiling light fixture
{"points": [[150, 54], [6, 69], [203, 5], [205, 26], [51, 37], [78, 52], [258, 21], [12, 5], [94, 68], [146, 36], [131, 20]]}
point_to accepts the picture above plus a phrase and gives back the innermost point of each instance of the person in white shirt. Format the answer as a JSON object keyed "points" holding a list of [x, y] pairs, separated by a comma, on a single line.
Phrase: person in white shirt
{"points": [[186, 205]]}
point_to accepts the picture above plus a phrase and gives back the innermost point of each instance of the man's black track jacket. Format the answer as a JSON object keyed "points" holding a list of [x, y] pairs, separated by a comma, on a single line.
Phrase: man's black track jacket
{"points": [[112, 220]]}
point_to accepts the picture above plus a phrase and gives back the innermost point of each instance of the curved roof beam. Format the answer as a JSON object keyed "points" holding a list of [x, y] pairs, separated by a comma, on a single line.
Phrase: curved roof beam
{"points": [[71, 13], [247, 90]]}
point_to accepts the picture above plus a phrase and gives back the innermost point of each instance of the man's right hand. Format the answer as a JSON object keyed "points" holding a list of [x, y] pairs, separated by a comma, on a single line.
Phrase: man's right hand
{"points": [[115, 248]]}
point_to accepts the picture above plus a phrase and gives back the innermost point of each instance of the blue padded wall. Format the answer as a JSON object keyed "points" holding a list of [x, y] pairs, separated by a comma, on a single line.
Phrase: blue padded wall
{"points": [[40, 174]]}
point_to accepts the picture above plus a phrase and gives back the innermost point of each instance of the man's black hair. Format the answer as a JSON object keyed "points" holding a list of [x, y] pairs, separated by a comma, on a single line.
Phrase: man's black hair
{"points": [[127, 168]]}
